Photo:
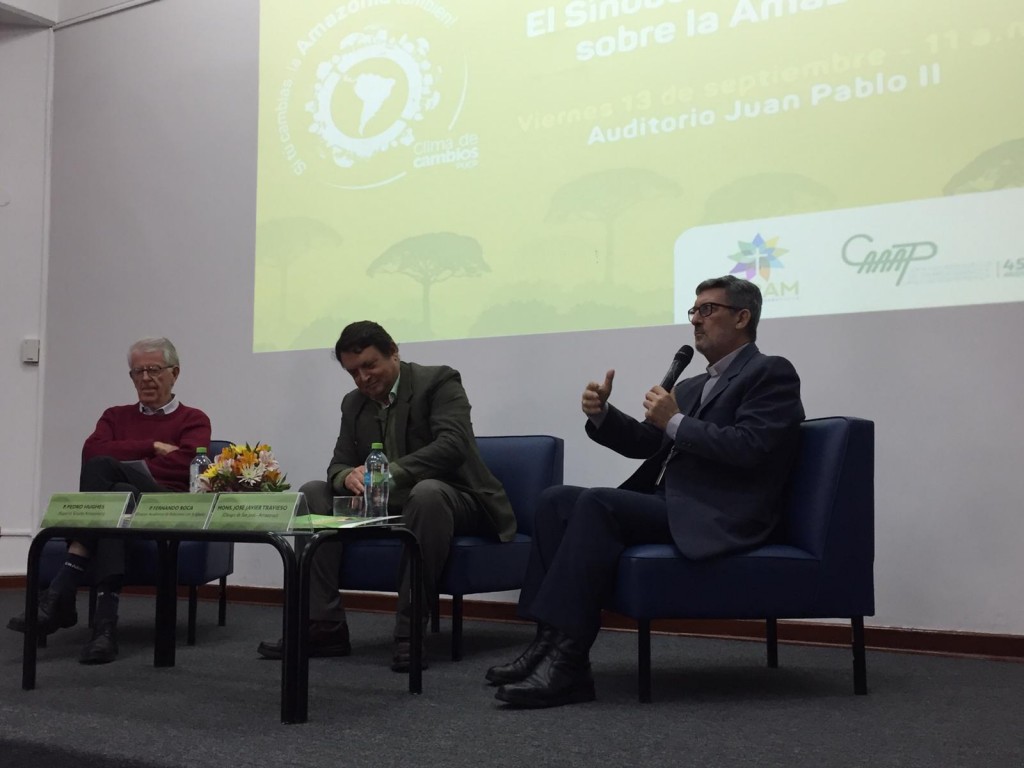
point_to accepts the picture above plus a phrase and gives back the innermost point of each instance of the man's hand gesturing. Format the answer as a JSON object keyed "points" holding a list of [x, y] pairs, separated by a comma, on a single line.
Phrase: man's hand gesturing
{"points": [[596, 395]]}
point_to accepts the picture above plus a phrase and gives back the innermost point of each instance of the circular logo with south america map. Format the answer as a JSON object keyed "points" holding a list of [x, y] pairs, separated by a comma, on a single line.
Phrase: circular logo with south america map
{"points": [[376, 101], [369, 97]]}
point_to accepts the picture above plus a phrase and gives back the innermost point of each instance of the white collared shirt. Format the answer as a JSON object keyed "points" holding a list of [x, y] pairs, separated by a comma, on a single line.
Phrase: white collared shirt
{"points": [[714, 373], [167, 409]]}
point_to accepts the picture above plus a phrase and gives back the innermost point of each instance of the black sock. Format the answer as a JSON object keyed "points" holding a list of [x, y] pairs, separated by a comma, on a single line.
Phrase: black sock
{"points": [[108, 597], [70, 575]]}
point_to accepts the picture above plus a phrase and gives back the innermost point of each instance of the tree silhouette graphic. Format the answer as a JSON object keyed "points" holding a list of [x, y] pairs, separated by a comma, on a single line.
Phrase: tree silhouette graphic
{"points": [[999, 167], [280, 243], [431, 258], [766, 195], [604, 196]]}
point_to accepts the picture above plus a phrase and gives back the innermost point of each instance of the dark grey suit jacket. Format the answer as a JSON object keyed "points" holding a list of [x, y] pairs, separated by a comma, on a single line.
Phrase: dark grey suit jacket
{"points": [[435, 441], [732, 459]]}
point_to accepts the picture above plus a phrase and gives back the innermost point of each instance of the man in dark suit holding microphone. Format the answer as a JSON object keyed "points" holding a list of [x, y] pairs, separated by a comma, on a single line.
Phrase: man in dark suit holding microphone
{"points": [[717, 451]]}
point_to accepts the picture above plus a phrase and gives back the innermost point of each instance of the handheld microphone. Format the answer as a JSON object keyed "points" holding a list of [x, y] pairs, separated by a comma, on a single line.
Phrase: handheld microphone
{"points": [[681, 359]]}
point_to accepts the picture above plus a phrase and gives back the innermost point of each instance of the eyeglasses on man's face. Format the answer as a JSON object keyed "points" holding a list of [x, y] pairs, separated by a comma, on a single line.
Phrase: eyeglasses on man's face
{"points": [[707, 308], [152, 371]]}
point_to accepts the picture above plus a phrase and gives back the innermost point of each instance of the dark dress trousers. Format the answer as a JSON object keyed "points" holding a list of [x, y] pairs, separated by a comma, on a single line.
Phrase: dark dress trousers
{"points": [[728, 465]]}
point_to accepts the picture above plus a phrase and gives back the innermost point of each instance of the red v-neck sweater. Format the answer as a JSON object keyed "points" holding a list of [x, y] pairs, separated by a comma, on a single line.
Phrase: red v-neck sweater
{"points": [[126, 434]]}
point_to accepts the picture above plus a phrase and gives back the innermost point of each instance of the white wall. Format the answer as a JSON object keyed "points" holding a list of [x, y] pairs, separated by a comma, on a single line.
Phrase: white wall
{"points": [[153, 217], [24, 98]]}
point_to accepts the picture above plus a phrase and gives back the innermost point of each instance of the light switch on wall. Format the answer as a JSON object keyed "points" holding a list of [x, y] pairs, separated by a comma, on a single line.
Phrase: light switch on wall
{"points": [[30, 351]]}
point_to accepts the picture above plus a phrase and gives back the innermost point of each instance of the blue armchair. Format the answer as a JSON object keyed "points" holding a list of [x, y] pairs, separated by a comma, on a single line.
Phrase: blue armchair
{"points": [[525, 465], [822, 565], [199, 563]]}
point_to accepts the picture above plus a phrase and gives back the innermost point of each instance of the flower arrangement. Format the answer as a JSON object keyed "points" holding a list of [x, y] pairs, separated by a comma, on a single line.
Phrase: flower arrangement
{"points": [[243, 469]]}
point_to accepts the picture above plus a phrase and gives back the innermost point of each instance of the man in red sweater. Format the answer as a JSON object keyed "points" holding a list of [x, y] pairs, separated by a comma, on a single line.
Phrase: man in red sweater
{"points": [[157, 430]]}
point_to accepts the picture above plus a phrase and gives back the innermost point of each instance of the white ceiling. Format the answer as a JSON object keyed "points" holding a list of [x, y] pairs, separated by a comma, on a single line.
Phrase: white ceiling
{"points": [[19, 19], [10, 17]]}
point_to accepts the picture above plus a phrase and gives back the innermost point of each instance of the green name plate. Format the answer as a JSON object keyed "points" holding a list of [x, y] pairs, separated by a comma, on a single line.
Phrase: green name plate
{"points": [[253, 511], [86, 510], [318, 522], [173, 510]]}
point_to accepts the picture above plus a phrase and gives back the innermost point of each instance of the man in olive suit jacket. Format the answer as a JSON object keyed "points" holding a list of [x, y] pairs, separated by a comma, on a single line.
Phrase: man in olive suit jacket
{"points": [[440, 484]]}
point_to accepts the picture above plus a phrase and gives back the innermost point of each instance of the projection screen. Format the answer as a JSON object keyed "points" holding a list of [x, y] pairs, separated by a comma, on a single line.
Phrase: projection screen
{"points": [[461, 169]]}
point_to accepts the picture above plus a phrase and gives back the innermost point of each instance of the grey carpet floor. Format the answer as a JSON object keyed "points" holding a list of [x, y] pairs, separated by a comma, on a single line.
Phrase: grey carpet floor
{"points": [[715, 704]]}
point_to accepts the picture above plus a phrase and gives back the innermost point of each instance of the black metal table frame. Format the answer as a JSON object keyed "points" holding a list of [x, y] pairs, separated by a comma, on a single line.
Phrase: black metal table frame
{"points": [[167, 541], [412, 550], [295, 661]]}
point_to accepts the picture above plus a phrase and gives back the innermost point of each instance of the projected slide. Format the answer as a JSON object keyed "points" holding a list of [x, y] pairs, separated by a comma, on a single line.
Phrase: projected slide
{"points": [[461, 168]]}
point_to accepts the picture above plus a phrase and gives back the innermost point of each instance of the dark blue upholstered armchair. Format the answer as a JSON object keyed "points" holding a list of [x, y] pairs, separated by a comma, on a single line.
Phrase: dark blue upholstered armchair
{"points": [[525, 465], [199, 562], [822, 565]]}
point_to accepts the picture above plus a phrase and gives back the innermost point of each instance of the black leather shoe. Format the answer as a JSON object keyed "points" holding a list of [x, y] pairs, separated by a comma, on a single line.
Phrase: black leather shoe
{"points": [[271, 649], [561, 677], [102, 649], [56, 611], [528, 660], [401, 660], [326, 638]]}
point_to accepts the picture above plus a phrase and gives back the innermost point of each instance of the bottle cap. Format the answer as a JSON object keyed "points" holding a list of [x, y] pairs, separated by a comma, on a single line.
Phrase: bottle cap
{"points": [[376, 446], [201, 449]]}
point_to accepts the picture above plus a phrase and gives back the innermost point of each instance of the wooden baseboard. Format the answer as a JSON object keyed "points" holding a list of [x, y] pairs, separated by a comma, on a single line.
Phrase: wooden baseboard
{"points": [[945, 643]]}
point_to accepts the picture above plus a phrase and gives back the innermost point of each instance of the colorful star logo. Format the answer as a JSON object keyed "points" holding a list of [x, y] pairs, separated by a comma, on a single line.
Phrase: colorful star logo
{"points": [[757, 257]]}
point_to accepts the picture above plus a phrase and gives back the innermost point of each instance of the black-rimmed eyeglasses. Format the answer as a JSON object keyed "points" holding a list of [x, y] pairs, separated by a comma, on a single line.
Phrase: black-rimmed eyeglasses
{"points": [[147, 370], [707, 308]]}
